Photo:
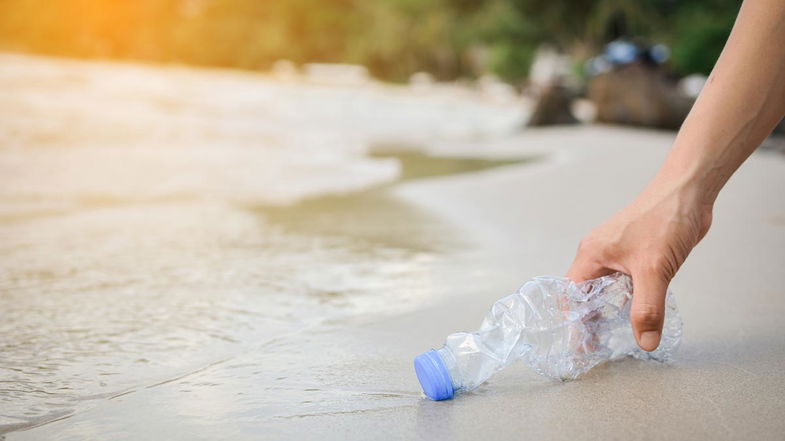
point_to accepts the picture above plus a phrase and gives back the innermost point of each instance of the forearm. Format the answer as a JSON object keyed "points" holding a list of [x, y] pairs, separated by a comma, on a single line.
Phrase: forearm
{"points": [[650, 239], [742, 101]]}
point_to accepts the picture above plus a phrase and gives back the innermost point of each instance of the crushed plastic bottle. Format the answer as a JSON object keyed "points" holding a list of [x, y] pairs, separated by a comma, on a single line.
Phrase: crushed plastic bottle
{"points": [[560, 328]]}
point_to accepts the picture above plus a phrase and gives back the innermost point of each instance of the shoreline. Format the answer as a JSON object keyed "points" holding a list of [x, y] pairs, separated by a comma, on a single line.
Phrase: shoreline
{"points": [[518, 222]]}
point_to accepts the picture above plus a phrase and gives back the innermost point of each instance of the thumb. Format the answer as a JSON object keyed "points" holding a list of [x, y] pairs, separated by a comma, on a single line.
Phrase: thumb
{"points": [[648, 308], [585, 266], [583, 269]]}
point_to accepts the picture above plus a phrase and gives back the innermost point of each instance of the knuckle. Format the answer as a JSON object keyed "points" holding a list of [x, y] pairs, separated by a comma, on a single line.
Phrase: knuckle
{"points": [[585, 244], [595, 251], [646, 315], [658, 265]]}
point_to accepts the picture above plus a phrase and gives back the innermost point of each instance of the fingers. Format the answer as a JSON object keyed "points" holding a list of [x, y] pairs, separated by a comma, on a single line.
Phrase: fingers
{"points": [[586, 267], [647, 312], [580, 271], [648, 308]]}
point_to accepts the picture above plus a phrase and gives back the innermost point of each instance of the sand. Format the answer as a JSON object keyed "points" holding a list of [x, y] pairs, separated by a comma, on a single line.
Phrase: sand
{"points": [[355, 380]]}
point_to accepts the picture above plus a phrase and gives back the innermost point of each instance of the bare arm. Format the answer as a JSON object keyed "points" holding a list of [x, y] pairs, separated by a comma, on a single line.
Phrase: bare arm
{"points": [[744, 98]]}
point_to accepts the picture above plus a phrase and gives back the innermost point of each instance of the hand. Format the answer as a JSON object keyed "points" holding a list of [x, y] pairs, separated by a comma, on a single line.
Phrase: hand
{"points": [[742, 101], [649, 240]]}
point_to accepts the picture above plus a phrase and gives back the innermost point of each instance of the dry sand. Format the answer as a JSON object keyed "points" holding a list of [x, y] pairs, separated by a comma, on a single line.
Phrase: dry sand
{"points": [[727, 382]]}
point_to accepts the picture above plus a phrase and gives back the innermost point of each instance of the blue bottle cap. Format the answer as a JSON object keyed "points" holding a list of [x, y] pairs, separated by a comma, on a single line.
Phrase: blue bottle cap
{"points": [[434, 376]]}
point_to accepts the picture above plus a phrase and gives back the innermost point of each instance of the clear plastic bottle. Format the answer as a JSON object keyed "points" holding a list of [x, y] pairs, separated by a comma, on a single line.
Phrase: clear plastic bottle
{"points": [[559, 328]]}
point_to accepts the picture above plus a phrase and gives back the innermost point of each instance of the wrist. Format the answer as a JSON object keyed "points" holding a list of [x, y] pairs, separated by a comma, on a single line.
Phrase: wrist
{"points": [[697, 179], [678, 195], [682, 184]]}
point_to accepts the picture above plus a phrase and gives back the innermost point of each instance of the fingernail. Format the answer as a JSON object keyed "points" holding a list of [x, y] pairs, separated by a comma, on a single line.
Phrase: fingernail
{"points": [[650, 340]]}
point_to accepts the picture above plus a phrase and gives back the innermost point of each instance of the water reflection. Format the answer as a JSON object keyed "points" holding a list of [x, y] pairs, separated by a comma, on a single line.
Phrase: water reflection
{"points": [[373, 218]]}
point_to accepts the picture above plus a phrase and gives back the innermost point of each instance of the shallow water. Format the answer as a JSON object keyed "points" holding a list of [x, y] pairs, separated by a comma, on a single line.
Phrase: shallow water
{"points": [[157, 222]]}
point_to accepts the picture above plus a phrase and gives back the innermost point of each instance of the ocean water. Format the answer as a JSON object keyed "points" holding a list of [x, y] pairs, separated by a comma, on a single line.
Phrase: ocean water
{"points": [[155, 222]]}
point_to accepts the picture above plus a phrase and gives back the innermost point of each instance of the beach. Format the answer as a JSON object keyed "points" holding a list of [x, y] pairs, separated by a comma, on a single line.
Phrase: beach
{"points": [[295, 314]]}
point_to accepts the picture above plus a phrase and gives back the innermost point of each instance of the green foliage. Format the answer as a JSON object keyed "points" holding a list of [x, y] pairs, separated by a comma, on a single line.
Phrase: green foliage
{"points": [[511, 62], [698, 40], [394, 38]]}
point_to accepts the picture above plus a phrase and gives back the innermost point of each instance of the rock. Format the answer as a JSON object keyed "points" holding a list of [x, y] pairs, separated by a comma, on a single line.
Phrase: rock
{"points": [[638, 94], [553, 107]]}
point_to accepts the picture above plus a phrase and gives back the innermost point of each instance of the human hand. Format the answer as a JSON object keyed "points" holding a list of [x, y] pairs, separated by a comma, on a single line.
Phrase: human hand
{"points": [[649, 240], [741, 102]]}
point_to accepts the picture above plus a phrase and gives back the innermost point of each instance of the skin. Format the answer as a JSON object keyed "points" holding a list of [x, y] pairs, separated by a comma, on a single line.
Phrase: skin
{"points": [[741, 103]]}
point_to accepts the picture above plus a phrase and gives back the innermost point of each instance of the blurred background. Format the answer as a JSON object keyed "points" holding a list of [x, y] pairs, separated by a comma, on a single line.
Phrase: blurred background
{"points": [[653, 43], [201, 199]]}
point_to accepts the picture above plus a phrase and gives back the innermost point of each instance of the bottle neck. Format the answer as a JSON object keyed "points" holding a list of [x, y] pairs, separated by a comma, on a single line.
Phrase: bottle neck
{"points": [[452, 367]]}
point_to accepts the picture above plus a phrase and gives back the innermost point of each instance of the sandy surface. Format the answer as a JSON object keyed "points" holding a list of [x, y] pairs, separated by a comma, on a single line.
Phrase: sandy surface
{"points": [[357, 381]]}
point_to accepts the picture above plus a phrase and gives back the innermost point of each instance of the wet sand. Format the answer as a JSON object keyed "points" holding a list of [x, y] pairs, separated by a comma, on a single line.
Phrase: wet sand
{"points": [[150, 227], [485, 233]]}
